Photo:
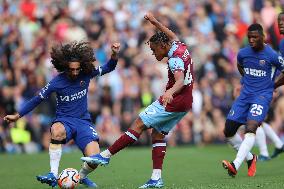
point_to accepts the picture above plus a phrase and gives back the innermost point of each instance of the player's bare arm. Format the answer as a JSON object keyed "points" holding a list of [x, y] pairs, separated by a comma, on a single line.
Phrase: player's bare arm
{"points": [[179, 83], [115, 48], [12, 118], [279, 81], [150, 17], [241, 69]]}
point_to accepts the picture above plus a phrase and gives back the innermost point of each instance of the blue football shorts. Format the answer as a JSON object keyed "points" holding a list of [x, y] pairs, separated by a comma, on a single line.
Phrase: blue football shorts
{"points": [[82, 131], [253, 108], [155, 116]]}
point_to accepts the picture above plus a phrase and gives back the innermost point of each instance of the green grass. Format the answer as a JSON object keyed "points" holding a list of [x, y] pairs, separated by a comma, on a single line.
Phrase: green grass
{"points": [[186, 167]]}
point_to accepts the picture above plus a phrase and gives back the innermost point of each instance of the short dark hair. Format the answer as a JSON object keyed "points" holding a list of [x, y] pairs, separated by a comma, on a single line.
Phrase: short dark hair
{"points": [[63, 54], [159, 37], [256, 27]]}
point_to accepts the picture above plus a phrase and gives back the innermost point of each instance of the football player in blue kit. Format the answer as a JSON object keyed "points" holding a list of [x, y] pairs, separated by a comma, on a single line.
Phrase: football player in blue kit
{"points": [[267, 130], [74, 62], [279, 147], [257, 63]]}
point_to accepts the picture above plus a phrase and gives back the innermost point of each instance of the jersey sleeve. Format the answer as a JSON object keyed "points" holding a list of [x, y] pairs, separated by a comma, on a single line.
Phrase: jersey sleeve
{"points": [[240, 59], [278, 61], [44, 93], [176, 64], [30, 105], [106, 68]]}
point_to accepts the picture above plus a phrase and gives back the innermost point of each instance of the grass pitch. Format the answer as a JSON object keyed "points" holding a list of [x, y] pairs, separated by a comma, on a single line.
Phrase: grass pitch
{"points": [[184, 168]]}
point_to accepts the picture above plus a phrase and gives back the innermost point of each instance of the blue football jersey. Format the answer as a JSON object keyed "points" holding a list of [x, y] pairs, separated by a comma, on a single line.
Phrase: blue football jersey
{"points": [[71, 95], [259, 69], [281, 51]]}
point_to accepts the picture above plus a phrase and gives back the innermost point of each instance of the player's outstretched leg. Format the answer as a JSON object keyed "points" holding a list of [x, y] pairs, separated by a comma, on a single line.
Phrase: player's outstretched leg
{"points": [[49, 179], [128, 138]]}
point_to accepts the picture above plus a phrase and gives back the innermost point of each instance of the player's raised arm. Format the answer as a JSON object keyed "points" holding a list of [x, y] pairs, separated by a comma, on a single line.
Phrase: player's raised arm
{"points": [[115, 48], [111, 64], [149, 16]]}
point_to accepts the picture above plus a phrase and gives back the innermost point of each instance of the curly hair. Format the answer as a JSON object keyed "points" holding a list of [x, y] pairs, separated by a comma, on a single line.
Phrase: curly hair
{"points": [[63, 54], [159, 37]]}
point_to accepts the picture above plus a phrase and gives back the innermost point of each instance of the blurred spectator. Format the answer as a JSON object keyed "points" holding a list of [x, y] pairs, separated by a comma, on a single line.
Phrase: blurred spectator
{"points": [[213, 30]]}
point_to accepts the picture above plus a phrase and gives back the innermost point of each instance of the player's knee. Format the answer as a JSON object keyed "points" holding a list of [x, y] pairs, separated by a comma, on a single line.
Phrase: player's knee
{"points": [[58, 131], [231, 127], [251, 127], [155, 135], [138, 126]]}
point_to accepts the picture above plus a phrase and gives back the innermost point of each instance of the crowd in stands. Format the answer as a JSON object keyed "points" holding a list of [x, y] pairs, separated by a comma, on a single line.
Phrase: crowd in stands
{"points": [[214, 30]]}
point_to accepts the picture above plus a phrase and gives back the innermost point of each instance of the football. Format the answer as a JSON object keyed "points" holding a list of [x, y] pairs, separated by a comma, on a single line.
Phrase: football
{"points": [[68, 178]]}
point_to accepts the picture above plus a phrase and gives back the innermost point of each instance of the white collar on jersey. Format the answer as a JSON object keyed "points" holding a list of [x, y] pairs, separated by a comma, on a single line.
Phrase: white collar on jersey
{"points": [[172, 49]]}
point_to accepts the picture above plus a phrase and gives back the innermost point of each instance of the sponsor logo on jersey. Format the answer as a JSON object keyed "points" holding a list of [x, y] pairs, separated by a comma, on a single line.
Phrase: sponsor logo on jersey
{"points": [[73, 97], [255, 72]]}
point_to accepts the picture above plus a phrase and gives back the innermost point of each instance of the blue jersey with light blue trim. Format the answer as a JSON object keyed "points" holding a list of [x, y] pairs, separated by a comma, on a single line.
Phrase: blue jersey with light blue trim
{"points": [[71, 95], [259, 69], [281, 51]]}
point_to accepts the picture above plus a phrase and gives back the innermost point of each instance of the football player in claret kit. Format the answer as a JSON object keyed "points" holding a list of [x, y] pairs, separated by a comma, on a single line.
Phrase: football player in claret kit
{"points": [[74, 62], [163, 114], [257, 64]]}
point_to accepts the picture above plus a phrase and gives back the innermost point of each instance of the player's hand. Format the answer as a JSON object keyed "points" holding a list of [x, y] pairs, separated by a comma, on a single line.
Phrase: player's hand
{"points": [[237, 91], [167, 98], [115, 48], [150, 17], [11, 118]]}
